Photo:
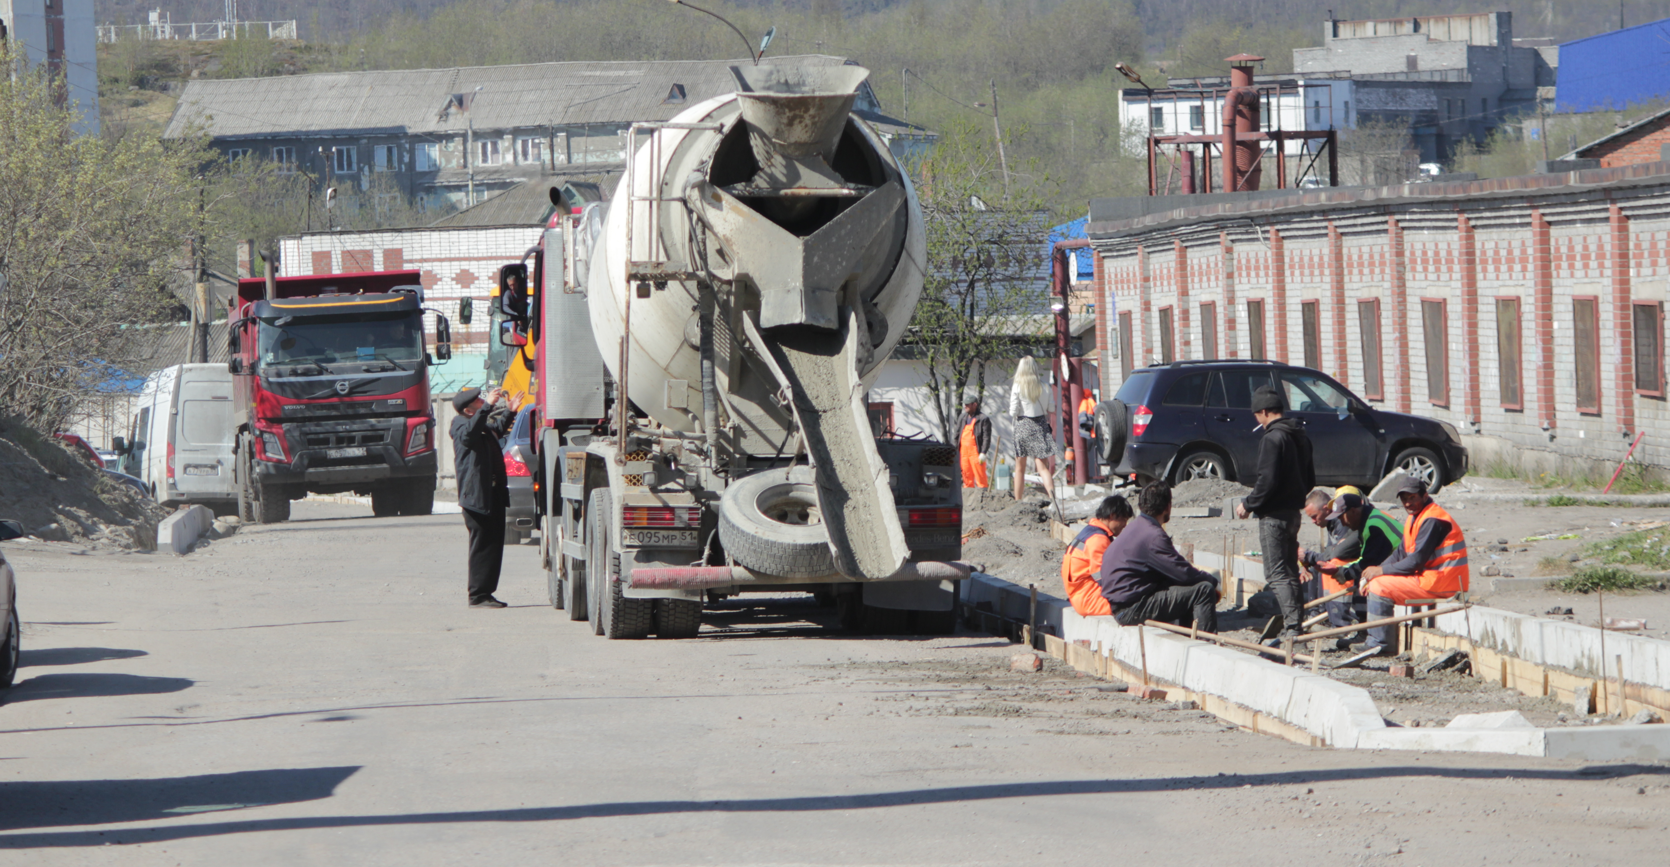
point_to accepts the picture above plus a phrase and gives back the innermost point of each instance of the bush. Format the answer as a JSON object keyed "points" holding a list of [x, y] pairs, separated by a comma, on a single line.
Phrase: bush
{"points": [[1606, 578]]}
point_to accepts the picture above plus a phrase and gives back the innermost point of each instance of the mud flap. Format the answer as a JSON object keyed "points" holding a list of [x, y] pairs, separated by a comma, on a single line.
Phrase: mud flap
{"points": [[820, 370]]}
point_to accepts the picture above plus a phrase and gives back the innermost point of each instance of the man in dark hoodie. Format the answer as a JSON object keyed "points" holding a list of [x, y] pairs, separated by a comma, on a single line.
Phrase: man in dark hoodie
{"points": [[1286, 474]]}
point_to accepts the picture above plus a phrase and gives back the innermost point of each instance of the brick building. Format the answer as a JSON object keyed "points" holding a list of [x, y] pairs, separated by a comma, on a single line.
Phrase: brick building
{"points": [[1528, 311], [1641, 142]]}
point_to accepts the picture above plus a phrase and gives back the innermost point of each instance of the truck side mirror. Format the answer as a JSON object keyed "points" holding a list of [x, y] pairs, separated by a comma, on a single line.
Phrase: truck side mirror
{"points": [[119, 445], [235, 365], [466, 310], [513, 291], [443, 338], [511, 334]]}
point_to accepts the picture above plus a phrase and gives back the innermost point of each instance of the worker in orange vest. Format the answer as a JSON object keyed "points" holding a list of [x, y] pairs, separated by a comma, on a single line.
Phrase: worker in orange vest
{"points": [[1083, 561], [1087, 428], [1432, 563], [973, 441]]}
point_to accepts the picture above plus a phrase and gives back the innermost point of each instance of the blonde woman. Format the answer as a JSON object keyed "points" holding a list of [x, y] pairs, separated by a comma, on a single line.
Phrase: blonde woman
{"points": [[1029, 407]]}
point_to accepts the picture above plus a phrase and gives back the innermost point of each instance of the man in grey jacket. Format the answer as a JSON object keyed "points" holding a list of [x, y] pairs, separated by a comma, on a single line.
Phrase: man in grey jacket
{"points": [[483, 492]]}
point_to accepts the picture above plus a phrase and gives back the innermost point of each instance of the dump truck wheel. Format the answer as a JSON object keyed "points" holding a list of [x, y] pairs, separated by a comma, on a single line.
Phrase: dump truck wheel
{"points": [[418, 496], [678, 618], [246, 475], [770, 522], [272, 504], [385, 500], [1113, 422]]}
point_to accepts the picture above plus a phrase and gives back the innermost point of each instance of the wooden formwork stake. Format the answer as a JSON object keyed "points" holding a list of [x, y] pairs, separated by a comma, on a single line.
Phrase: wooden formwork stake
{"points": [[1606, 694], [1032, 619], [1316, 657], [1287, 649], [1142, 648], [1621, 708]]}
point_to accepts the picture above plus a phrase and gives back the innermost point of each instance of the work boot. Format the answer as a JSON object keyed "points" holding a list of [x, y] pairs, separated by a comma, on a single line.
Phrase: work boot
{"points": [[488, 602], [1285, 635]]}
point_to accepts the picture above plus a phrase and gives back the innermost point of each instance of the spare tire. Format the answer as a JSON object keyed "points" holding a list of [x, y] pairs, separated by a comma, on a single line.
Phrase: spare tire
{"points": [[771, 522], [1113, 422]]}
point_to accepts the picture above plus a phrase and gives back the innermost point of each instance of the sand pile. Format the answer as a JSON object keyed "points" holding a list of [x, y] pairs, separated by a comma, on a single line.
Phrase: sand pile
{"points": [[62, 497], [1206, 492]]}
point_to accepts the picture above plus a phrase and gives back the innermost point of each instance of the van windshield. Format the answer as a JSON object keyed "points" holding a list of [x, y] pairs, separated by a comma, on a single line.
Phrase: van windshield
{"points": [[384, 341]]}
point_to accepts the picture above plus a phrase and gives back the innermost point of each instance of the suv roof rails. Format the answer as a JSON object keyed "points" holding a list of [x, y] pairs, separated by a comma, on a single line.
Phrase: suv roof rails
{"points": [[1192, 362]]}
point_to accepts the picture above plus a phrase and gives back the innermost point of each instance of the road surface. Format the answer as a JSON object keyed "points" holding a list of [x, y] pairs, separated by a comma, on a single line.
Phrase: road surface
{"points": [[317, 692]]}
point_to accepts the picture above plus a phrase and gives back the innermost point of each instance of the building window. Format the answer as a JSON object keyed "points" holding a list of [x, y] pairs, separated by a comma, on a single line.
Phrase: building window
{"points": [[1368, 327], [1157, 120], [236, 153], [1316, 111], [1197, 117], [344, 160], [1310, 323], [530, 150], [675, 95], [1125, 350], [1586, 341], [1255, 330], [427, 156], [1167, 350], [1209, 330], [1435, 334], [881, 418], [1508, 353], [1649, 348], [385, 158], [487, 152], [285, 159]]}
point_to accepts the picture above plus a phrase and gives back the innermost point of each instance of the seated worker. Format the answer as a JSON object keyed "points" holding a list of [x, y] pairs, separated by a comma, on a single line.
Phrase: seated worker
{"points": [[1380, 539], [1083, 561], [1343, 543], [1430, 564], [1144, 578]]}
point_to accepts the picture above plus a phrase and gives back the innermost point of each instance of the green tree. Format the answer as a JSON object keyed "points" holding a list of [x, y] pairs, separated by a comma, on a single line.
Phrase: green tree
{"points": [[90, 228], [987, 269]]}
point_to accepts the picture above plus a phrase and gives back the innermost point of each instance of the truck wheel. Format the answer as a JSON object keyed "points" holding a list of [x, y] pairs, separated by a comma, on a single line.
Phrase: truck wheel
{"points": [[420, 497], [770, 522], [678, 618], [272, 504], [246, 475], [385, 500], [597, 557], [616, 615], [552, 563], [574, 569]]}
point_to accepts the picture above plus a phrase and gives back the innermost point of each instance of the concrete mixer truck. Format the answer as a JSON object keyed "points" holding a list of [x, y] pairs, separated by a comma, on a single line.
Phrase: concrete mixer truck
{"points": [[705, 338]]}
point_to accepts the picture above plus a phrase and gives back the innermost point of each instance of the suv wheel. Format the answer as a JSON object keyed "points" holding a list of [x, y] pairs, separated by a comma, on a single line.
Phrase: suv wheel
{"points": [[1199, 465], [1423, 464]]}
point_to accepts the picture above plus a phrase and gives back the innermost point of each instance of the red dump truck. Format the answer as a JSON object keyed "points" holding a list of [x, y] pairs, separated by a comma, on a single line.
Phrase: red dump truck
{"points": [[331, 385]]}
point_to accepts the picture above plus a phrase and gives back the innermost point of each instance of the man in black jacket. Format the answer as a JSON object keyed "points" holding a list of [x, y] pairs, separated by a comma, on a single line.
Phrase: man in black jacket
{"points": [[483, 493], [1144, 578], [1286, 474]]}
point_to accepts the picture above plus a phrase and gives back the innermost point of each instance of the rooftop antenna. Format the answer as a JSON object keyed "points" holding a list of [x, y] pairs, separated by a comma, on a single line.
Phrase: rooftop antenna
{"points": [[752, 54]]}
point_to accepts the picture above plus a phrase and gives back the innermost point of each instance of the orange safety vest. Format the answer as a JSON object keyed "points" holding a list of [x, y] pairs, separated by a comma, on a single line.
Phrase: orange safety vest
{"points": [[1080, 567], [1446, 573]]}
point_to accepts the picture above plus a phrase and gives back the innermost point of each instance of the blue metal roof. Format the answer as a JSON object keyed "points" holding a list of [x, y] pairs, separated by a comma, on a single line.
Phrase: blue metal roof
{"points": [[1084, 258], [1615, 70]]}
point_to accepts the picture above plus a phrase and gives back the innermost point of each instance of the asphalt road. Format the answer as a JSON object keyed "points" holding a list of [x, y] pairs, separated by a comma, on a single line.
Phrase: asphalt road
{"points": [[318, 693]]}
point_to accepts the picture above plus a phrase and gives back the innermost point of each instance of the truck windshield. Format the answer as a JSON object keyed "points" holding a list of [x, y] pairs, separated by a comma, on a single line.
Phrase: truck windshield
{"points": [[388, 339]]}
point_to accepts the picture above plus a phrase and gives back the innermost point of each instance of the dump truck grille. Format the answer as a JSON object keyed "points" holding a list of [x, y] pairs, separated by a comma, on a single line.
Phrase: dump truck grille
{"points": [[345, 439]]}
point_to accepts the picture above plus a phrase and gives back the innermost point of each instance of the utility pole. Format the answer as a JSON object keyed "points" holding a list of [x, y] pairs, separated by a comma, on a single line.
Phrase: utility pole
{"points": [[469, 161], [904, 83], [1542, 129], [200, 295], [998, 126]]}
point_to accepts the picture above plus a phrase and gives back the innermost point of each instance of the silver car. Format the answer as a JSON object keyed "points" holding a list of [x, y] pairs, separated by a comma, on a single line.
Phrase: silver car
{"points": [[8, 594]]}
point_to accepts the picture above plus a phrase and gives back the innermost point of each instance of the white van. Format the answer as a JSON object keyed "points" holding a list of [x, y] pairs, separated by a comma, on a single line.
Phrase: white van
{"points": [[180, 441]]}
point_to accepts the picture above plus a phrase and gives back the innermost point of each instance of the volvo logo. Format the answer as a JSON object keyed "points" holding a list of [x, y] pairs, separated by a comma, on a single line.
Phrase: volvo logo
{"points": [[342, 386]]}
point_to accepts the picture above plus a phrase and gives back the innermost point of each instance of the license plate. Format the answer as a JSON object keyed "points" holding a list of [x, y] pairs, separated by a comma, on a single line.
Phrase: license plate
{"points": [[662, 538], [354, 452], [202, 470], [937, 539]]}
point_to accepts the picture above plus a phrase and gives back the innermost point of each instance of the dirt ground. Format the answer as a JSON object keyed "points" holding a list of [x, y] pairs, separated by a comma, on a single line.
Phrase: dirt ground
{"points": [[58, 495], [1011, 540]]}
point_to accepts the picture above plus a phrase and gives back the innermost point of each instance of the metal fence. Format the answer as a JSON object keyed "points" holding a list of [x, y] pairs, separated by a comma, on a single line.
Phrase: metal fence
{"points": [[198, 32]]}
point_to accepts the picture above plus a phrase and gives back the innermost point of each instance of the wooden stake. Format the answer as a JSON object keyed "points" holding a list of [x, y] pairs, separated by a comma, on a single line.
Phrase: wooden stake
{"points": [[1315, 603], [1032, 619], [1142, 647], [1620, 660], [1316, 657], [1287, 649], [1606, 694]]}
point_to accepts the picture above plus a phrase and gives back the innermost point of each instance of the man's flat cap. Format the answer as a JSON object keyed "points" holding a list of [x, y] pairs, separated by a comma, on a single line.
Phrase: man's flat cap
{"points": [[465, 398]]}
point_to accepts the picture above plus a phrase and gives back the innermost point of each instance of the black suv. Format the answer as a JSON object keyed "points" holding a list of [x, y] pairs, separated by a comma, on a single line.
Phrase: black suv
{"points": [[1193, 420]]}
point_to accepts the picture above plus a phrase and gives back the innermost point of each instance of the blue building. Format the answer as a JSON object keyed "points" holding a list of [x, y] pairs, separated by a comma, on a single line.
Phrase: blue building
{"points": [[1615, 70]]}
